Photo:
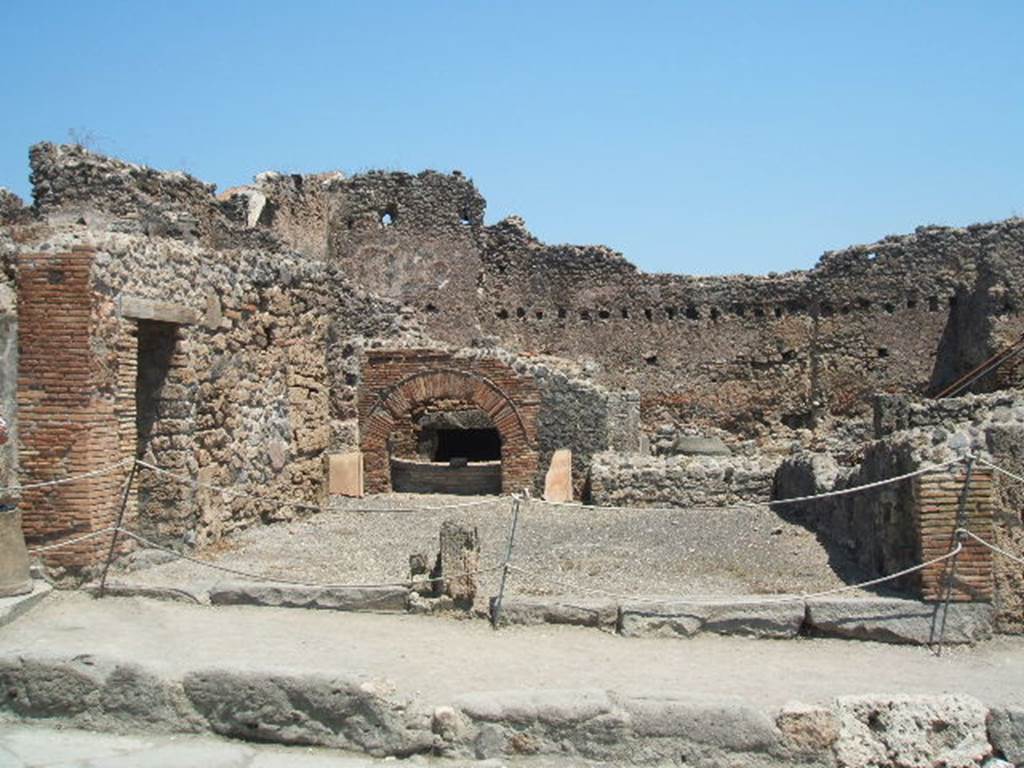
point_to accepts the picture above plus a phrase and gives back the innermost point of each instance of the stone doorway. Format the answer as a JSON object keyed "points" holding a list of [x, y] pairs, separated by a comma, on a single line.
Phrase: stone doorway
{"points": [[155, 351], [165, 510]]}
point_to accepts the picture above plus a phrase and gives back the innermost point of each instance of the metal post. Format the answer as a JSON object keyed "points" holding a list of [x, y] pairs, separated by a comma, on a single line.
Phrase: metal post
{"points": [[496, 613], [957, 538], [117, 529]]}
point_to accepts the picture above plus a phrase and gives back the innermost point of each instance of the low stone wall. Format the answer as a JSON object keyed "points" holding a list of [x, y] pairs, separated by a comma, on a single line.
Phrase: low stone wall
{"points": [[679, 481], [882, 530], [895, 413]]}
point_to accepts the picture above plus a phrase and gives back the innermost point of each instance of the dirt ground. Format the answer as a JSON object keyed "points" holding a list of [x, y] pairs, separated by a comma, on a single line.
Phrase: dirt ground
{"points": [[569, 551]]}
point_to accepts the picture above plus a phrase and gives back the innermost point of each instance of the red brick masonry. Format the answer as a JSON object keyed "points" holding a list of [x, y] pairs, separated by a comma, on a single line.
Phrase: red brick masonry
{"points": [[395, 382], [937, 497], [67, 423]]}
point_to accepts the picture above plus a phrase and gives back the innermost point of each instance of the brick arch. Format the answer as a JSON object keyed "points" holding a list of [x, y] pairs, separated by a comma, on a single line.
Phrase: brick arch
{"points": [[395, 405]]}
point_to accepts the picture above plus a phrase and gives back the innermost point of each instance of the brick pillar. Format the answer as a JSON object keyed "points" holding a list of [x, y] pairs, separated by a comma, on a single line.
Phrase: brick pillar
{"points": [[67, 424], [937, 497]]}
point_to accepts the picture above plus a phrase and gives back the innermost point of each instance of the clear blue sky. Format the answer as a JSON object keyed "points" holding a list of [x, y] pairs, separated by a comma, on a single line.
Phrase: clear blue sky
{"points": [[695, 137]]}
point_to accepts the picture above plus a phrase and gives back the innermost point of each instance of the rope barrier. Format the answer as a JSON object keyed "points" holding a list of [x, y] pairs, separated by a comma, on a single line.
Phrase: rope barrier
{"points": [[991, 546], [70, 479], [69, 542], [773, 502], [999, 469], [507, 565], [185, 479], [256, 576], [294, 582], [779, 599]]}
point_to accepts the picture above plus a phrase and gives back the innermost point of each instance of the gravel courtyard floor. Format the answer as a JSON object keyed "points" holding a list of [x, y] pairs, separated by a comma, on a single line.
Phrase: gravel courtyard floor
{"points": [[570, 551]]}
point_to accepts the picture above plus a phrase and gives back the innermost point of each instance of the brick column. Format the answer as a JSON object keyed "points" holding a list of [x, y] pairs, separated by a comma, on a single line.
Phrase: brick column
{"points": [[937, 497], [67, 424]]}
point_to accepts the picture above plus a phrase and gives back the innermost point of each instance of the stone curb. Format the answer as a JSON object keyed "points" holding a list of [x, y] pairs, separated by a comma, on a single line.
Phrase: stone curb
{"points": [[364, 715], [323, 598], [13, 607], [752, 618], [165, 594], [580, 613], [888, 620], [878, 619]]}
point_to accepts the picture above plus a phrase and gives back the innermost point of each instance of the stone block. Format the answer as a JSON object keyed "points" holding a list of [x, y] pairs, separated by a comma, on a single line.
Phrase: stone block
{"points": [[146, 309], [164, 594], [754, 617], [558, 481], [13, 607], [807, 729], [1006, 732], [561, 707], [348, 713], [727, 725], [891, 620], [911, 731], [582, 613], [460, 561], [700, 446], [345, 474], [324, 598]]}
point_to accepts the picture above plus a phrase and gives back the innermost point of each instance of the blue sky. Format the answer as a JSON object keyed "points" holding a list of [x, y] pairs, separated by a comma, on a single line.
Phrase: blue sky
{"points": [[704, 138]]}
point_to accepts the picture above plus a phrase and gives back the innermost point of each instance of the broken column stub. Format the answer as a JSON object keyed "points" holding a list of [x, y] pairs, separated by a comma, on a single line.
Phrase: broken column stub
{"points": [[558, 481], [459, 559]]}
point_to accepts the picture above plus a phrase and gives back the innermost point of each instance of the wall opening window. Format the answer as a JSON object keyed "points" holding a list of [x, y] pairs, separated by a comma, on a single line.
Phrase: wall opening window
{"points": [[468, 444]]}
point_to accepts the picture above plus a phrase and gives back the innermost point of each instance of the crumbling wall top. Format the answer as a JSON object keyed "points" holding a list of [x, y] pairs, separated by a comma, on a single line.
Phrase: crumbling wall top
{"points": [[69, 174], [71, 183], [427, 203], [12, 209]]}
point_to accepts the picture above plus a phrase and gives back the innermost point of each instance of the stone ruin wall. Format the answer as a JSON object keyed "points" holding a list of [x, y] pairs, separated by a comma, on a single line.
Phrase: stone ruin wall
{"points": [[990, 426], [882, 531], [271, 366], [747, 356], [266, 346], [264, 357], [257, 386]]}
